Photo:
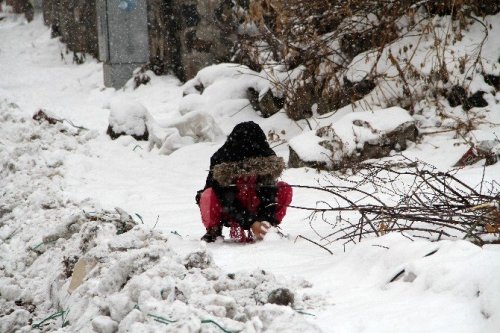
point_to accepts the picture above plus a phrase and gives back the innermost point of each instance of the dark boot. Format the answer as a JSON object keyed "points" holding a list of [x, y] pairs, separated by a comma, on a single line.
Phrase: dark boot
{"points": [[212, 234]]}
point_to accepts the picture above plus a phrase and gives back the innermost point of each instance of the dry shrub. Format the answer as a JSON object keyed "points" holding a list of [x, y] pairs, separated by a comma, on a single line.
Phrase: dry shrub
{"points": [[321, 38]]}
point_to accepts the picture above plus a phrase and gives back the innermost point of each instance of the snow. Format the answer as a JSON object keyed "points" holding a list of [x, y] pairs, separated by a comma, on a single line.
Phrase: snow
{"points": [[60, 185], [226, 81], [308, 147], [223, 93], [135, 274]]}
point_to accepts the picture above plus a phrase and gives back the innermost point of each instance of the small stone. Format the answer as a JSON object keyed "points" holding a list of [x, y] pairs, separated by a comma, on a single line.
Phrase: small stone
{"points": [[476, 101], [104, 324], [42, 116], [281, 296]]}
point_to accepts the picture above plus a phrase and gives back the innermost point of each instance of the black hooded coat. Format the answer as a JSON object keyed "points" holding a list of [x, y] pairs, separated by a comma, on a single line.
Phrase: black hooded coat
{"points": [[245, 152]]}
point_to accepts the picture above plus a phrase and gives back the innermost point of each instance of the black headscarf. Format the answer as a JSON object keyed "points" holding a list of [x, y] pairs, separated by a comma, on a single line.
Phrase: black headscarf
{"points": [[247, 140]]}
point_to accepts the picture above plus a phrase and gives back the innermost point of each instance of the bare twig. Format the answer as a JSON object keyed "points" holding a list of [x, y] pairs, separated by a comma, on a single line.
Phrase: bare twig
{"points": [[315, 243]]}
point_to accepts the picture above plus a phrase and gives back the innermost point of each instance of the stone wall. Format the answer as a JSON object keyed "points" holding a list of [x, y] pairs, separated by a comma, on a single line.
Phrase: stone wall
{"points": [[205, 31], [163, 44], [184, 35], [75, 21], [21, 7]]}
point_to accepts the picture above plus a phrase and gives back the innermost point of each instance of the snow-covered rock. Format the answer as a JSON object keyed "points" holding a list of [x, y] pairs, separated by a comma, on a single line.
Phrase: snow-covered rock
{"points": [[128, 117], [241, 76], [355, 137]]}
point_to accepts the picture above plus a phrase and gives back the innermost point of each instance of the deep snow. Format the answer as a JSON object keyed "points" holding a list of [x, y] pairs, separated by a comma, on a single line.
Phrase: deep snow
{"points": [[50, 177]]}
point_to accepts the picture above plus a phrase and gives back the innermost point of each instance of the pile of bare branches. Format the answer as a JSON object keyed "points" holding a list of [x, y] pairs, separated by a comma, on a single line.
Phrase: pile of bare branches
{"points": [[416, 200]]}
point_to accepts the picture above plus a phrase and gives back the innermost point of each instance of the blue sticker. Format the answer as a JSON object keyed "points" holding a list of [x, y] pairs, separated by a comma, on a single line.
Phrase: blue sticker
{"points": [[127, 5]]}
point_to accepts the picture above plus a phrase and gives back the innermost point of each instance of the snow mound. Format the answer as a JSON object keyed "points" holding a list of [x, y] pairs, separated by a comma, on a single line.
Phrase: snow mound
{"points": [[131, 280], [191, 128], [237, 73], [129, 117], [222, 89]]}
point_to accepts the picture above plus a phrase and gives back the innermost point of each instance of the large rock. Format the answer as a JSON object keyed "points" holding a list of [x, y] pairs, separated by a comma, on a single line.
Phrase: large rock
{"points": [[457, 96], [493, 80], [476, 100], [265, 102], [356, 137]]}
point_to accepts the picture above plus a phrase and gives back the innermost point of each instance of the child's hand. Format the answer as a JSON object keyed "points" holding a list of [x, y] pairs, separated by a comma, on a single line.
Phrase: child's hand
{"points": [[260, 229]]}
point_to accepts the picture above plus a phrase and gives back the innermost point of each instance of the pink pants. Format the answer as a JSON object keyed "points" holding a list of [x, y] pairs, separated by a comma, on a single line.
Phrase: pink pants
{"points": [[211, 210]]}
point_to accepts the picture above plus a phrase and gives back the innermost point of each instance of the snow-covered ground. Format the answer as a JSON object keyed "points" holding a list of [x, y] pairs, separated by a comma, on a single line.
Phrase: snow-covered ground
{"points": [[58, 182]]}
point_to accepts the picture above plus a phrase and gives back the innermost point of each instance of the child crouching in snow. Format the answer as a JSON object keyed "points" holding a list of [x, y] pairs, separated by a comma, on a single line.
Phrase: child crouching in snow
{"points": [[242, 191]]}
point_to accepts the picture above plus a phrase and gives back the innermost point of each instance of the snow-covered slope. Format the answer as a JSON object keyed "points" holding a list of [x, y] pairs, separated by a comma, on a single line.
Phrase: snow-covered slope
{"points": [[52, 174]]}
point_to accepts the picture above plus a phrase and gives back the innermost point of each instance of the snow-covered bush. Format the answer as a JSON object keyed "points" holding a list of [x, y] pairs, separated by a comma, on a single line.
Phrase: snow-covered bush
{"points": [[191, 128], [218, 88], [129, 117], [371, 53]]}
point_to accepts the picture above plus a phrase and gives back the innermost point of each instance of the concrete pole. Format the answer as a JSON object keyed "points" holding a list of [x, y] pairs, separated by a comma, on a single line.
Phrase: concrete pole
{"points": [[37, 5], [123, 38]]}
